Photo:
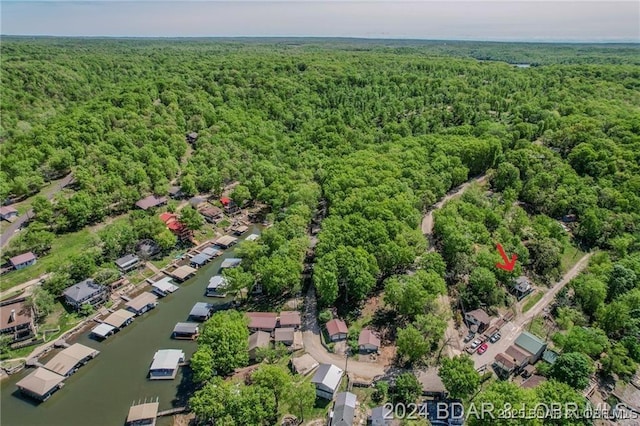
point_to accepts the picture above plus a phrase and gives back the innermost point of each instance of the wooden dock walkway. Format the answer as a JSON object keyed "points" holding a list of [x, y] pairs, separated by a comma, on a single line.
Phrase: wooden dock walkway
{"points": [[172, 411]]}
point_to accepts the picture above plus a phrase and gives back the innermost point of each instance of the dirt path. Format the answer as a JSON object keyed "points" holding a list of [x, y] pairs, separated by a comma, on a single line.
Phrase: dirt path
{"points": [[24, 286]]}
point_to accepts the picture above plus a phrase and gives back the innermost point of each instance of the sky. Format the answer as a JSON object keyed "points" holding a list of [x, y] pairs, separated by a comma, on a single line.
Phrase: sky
{"points": [[515, 20]]}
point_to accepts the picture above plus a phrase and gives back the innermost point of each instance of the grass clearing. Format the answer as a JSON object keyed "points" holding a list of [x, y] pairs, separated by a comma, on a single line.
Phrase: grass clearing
{"points": [[532, 300], [570, 256]]}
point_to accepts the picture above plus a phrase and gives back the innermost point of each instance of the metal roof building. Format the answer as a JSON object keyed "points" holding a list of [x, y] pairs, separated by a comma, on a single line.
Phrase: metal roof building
{"points": [[327, 380], [344, 409], [103, 330], [165, 364], [119, 318]]}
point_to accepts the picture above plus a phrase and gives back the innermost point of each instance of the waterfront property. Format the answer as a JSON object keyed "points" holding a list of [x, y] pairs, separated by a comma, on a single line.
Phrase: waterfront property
{"points": [[165, 364], [368, 341], [41, 384], [186, 331], [85, 292], [211, 214], [259, 339], [17, 319], [290, 319], [337, 330], [164, 287], [119, 319], [142, 303], [199, 260], [327, 380], [230, 207], [151, 202], [183, 273], [175, 226], [67, 361], [217, 286], [201, 311], [143, 414], [231, 262], [304, 364], [102, 331], [226, 241], [23, 260], [344, 410], [127, 263], [262, 321]]}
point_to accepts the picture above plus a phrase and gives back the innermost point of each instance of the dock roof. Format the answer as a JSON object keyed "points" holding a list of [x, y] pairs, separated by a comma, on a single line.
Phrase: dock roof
{"points": [[118, 318], [142, 300], [22, 258], [201, 309], [143, 412], [231, 262], [290, 319], [40, 381], [200, 259], [217, 281], [183, 272], [211, 251], [226, 240], [67, 359], [186, 327], [262, 320], [103, 330], [167, 359], [165, 285], [252, 237]]}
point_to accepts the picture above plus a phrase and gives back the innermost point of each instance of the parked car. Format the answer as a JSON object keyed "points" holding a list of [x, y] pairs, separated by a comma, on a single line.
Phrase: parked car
{"points": [[468, 337], [475, 344], [495, 337], [483, 348]]}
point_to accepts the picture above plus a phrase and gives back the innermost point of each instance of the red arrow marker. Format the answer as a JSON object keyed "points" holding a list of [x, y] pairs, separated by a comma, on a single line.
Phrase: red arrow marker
{"points": [[507, 264]]}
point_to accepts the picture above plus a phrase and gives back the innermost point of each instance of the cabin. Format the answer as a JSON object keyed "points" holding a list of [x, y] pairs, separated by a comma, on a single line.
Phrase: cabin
{"points": [[183, 273], [284, 336], [211, 214], [17, 320], [337, 330], [327, 380], [532, 345], [231, 262], [477, 318], [262, 321], [8, 213], [289, 319], [522, 287], [176, 227], [151, 202], [119, 319], [503, 365], [23, 260], [201, 311], [259, 339], [196, 201], [142, 303], [85, 292], [519, 357], [165, 364], [229, 206], [41, 384], [143, 414], [344, 410], [304, 364], [199, 260], [164, 287], [127, 263], [368, 342], [67, 361], [186, 331], [217, 286], [381, 416], [212, 252], [226, 241]]}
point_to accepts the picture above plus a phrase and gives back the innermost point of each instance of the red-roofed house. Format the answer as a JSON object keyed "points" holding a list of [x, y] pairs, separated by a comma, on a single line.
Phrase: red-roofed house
{"points": [[337, 330], [290, 319], [23, 260], [262, 321], [150, 202], [8, 213], [175, 226], [368, 341], [230, 207]]}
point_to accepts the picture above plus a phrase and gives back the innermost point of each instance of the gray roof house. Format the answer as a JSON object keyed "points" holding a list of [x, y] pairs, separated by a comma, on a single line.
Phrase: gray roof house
{"points": [[327, 380], [381, 416], [344, 410], [127, 263], [87, 291]]}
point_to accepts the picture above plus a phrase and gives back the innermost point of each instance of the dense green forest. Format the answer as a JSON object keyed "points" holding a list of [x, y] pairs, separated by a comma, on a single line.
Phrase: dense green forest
{"points": [[379, 131]]}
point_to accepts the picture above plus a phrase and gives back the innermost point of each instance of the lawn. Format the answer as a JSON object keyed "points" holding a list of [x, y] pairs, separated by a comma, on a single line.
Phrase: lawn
{"points": [[532, 300], [570, 256]]}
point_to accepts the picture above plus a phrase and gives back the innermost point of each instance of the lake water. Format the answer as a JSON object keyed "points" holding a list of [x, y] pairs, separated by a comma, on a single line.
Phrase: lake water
{"points": [[101, 392]]}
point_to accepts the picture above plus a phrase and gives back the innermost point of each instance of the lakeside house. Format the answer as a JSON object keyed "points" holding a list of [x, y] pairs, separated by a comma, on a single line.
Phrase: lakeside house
{"points": [[217, 286], [337, 330], [143, 414], [8, 213], [165, 364], [85, 292], [186, 331], [201, 311], [262, 321], [226, 241], [17, 319], [344, 410], [183, 273], [41, 384], [175, 226], [231, 262], [478, 318], [368, 342], [304, 364], [67, 361], [290, 319], [127, 263], [259, 339], [150, 202], [211, 214], [327, 380], [229, 206], [23, 260], [164, 287], [142, 303]]}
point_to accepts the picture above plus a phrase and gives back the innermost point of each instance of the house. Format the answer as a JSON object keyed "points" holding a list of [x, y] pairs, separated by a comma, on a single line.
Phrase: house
{"points": [[17, 319], [23, 260], [201, 311], [368, 341], [183, 273], [504, 365], [127, 263], [192, 137], [41, 384], [212, 252], [143, 414], [217, 286], [262, 321], [532, 345], [211, 214], [119, 319], [8, 213], [175, 226], [102, 331], [147, 249], [142, 303], [67, 361], [231, 262], [226, 241], [240, 230], [344, 410], [304, 364], [290, 319], [151, 202], [327, 380], [230, 207], [259, 339], [284, 336], [337, 330], [381, 416], [175, 192], [85, 292], [164, 287], [196, 201], [252, 237], [522, 287], [478, 318], [186, 331], [199, 260], [165, 364], [519, 357]]}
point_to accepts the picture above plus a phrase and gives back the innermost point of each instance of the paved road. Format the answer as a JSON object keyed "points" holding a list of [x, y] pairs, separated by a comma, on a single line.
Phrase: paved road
{"points": [[49, 194], [512, 329]]}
